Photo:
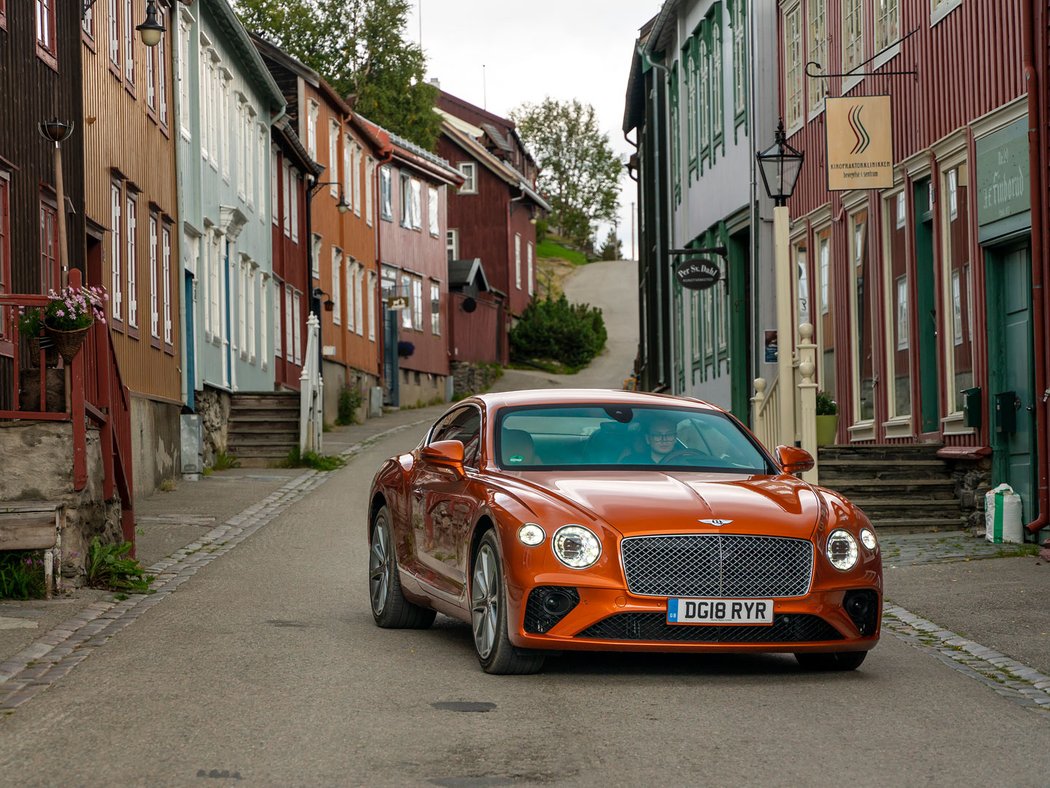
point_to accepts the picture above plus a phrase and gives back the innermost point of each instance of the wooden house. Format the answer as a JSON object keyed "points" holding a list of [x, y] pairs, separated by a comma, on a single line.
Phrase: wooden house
{"points": [[225, 108], [412, 204], [340, 215], [491, 216]]}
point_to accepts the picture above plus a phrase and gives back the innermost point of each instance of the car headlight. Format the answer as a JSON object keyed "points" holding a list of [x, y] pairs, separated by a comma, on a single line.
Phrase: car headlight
{"points": [[531, 534], [842, 550], [867, 537], [576, 547]]}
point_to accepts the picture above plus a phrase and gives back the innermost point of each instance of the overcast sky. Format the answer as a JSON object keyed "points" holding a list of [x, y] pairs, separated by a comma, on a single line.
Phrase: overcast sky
{"points": [[560, 48]]}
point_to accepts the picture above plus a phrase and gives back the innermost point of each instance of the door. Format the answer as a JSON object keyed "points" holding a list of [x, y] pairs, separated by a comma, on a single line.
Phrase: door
{"points": [[391, 384], [189, 340], [1011, 404], [926, 310]]}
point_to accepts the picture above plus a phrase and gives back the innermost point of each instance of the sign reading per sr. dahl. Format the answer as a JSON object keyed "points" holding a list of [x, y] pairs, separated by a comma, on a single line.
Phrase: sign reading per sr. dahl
{"points": [[860, 143], [697, 273]]}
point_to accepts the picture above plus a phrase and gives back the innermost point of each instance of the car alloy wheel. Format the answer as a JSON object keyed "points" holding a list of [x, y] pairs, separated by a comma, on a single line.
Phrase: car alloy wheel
{"points": [[485, 601], [390, 609], [378, 569]]}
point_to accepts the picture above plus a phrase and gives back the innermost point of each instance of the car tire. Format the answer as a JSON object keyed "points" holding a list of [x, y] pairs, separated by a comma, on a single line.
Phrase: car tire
{"points": [[835, 660], [488, 615], [390, 609]]}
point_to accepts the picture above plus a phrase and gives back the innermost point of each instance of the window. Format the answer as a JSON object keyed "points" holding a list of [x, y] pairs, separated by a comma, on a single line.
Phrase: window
{"points": [[370, 174], [5, 244], [435, 308], [862, 333], [46, 39], [184, 78], [406, 201], [953, 196], [717, 101], [249, 157], [154, 295], [901, 211], [165, 270], [902, 313], [215, 285], [739, 23], [690, 105], [293, 202], [793, 65], [116, 253], [941, 8], [223, 97], [130, 223], [114, 34], [129, 44], [348, 169], [333, 157], [351, 295], [887, 23], [311, 129], [289, 327], [417, 204], [432, 211], [452, 244], [264, 315], [676, 137], [250, 266], [852, 34], [406, 291], [372, 306], [530, 274], [50, 276], [278, 330], [261, 172], [817, 50], [469, 170], [337, 286], [315, 257], [275, 189], [286, 191], [242, 115], [386, 210], [704, 87], [417, 303], [161, 53], [297, 329], [359, 307], [517, 260], [357, 179]]}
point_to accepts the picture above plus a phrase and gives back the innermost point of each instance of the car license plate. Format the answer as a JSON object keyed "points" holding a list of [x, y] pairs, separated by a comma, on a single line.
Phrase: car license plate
{"points": [[719, 611]]}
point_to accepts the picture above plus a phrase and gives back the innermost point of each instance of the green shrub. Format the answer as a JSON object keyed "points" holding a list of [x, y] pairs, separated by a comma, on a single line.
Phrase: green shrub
{"points": [[109, 567], [224, 461], [826, 406], [552, 328], [349, 401], [311, 459], [21, 574]]}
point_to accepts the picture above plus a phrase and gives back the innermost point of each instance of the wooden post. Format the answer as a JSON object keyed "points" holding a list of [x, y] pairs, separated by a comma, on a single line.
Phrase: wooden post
{"points": [[807, 352], [75, 387]]}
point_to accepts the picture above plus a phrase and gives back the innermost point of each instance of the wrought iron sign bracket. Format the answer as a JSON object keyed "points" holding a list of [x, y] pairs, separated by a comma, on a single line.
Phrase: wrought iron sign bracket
{"points": [[855, 73], [721, 251]]}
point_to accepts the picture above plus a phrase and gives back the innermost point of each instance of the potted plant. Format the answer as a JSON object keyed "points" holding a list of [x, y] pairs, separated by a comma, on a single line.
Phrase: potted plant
{"points": [[405, 349], [66, 318], [827, 419]]}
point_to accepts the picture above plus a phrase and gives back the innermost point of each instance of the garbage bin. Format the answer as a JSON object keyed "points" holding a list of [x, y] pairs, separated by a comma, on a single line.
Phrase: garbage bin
{"points": [[1002, 515]]}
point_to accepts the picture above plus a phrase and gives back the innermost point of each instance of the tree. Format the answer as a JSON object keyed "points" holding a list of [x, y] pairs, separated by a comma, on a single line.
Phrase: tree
{"points": [[358, 47], [579, 172], [611, 249]]}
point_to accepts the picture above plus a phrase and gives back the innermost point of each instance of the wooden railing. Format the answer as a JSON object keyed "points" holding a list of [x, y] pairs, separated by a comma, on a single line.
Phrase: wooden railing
{"points": [[92, 388], [765, 414]]}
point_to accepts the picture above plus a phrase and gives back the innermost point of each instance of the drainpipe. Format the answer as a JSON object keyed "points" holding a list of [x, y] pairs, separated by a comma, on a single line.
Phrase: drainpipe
{"points": [[377, 220], [1039, 316]]}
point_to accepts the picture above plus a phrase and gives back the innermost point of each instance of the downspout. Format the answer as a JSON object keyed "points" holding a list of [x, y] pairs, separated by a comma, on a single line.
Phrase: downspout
{"points": [[377, 210], [665, 373], [1039, 262]]}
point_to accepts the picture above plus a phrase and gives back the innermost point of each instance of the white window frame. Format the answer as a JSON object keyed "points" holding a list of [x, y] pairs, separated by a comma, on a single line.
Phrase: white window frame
{"points": [[297, 329], [293, 193], [117, 253], [275, 189], [357, 160], [852, 40], [337, 285], [333, 157], [289, 324], [348, 169], [351, 299], [154, 307], [816, 51], [386, 194], [315, 257], [251, 272], [417, 204], [278, 310], [529, 271], [794, 99], [131, 264], [359, 323], [452, 243], [417, 302], [311, 128], [370, 174], [406, 313], [372, 306], [517, 260], [166, 302], [433, 225], [469, 171], [435, 314]]}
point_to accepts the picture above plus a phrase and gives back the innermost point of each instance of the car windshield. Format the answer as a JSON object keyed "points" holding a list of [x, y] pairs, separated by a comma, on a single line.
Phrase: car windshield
{"points": [[620, 436]]}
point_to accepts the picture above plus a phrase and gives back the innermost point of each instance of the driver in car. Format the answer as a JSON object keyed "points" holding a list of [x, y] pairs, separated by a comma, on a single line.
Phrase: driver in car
{"points": [[661, 439]]}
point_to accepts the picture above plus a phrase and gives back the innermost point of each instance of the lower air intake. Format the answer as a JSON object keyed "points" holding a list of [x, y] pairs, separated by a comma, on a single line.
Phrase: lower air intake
{"points": [[654, 627]]}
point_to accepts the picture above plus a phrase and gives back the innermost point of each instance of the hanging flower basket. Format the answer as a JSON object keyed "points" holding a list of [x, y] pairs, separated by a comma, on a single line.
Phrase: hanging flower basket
{"points": [[68, 342]]}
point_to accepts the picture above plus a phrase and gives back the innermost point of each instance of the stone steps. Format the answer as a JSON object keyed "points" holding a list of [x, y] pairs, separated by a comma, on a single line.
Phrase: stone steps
{"points": [[264, 427]]}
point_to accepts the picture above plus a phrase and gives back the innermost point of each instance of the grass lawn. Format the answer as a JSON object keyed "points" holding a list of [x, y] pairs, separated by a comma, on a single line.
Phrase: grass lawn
{"points": [[551, 248]]}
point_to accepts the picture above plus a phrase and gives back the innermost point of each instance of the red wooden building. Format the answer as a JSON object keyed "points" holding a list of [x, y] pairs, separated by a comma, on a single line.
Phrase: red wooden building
{"points": [[920, 293], [491, 218]]}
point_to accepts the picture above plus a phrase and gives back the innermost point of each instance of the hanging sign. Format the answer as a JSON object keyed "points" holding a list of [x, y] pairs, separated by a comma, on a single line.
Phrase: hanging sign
{"points": [[698, 273], [397, 302], [860, 143]]}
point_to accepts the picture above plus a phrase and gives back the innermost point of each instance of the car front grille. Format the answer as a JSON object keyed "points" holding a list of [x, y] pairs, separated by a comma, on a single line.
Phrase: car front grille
{"points": [[654, 627], [717, 565]]}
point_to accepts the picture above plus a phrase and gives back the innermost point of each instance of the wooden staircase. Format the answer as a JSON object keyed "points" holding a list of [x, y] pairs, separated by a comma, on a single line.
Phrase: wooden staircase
{"points": [[900, 487], [264, 427]]}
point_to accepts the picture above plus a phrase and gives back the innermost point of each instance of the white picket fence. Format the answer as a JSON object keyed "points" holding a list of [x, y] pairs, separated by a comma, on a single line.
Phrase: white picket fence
{"points": [[311, 391]]}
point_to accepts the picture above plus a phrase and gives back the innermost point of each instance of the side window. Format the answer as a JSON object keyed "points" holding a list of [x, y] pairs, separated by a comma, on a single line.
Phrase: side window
{"points": [[461, 425]]}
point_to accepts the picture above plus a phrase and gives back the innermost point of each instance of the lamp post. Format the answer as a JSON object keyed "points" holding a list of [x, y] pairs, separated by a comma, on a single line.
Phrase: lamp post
{"points": [[780, 165], [150, 31], [58, 131]]}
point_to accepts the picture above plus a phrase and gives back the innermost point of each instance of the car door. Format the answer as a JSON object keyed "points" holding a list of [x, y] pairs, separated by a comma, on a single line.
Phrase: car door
{"points": [[443, 508]]}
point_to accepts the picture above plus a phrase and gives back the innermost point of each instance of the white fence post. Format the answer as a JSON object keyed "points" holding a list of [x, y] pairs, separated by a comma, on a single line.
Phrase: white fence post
{"points": [[310, 392], [807, 352], [757, 411]]}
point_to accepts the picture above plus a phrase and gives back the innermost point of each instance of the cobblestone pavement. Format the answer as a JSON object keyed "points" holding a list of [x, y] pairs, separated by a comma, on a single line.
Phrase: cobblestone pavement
{"points": [[943, 547]]}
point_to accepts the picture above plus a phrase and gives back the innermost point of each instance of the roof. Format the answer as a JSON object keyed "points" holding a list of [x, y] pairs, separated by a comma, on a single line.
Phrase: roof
{"points": [[588, 397], [464, 273], [663, 28], [501, 169], [413, 155], [248, 56], [285, 134], [634, 102]]}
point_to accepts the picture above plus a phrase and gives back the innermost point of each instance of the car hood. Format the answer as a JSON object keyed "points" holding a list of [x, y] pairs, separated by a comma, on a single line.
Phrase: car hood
{"points": [[657, 502]]}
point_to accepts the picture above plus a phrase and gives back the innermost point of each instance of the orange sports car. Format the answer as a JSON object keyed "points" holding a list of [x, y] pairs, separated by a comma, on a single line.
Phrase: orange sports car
{"points": [[563, 520]]}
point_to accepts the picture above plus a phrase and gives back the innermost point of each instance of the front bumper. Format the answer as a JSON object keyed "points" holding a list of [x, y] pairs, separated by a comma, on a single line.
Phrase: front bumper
{"points": [[612, 619]]}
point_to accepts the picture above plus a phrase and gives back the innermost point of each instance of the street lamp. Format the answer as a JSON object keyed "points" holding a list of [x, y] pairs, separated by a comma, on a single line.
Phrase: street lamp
{"points": [[150, 31], [58, 131], [780, 165]]}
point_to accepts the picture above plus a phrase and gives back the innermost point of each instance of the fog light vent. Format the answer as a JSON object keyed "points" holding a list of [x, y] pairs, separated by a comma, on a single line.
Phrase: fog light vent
{"points": [[863, 608], [547, 606]]}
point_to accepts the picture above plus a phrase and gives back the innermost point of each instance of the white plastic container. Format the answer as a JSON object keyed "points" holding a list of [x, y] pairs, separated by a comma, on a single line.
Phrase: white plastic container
{"points": [[1002, 515]]}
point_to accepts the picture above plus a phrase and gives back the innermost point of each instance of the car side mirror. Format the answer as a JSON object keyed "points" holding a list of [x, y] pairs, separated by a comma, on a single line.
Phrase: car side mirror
{"points": [[447, 454], [794, 460]]}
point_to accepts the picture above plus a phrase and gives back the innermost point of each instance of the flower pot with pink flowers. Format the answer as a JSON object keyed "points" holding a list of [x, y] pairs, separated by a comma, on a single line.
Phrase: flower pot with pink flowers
{"points": [[66, 319]]}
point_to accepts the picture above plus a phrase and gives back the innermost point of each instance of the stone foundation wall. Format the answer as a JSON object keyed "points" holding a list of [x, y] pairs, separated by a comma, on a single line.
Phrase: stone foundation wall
{"points": [[419, 389], [38, 466], [972, 480], [213, 407], [336, 377], [156, 443], [470, 378]]}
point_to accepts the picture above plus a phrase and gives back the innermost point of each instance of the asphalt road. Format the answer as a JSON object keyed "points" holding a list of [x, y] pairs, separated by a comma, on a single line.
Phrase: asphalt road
{"points": [[265, 669], [267, 666]]}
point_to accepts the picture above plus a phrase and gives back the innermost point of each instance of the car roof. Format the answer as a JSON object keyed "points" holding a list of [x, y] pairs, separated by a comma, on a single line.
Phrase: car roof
{"points": [[523, 397]]}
